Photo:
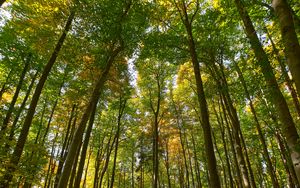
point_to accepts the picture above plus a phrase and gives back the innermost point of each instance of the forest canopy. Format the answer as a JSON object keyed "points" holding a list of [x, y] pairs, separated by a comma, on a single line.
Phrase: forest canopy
{"points": [[149, 93]]}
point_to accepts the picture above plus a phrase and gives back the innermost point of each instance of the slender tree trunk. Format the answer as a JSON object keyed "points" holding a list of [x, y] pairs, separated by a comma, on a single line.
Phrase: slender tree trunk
{"points": [[224, 91], [122, 104], [132, 169], [181, 176], [53, 109], [74, 167], [84, 147], [63, 154], [156, 159], [209, 147], [48, 176], [14, 160], [238, 172], [20, 110], [168, 163], [108, 153], [291, 177], [79, 132], [187, 179], [97, 163], [15, 97], [287, 157], [156, 112], [247, 159], [288, 126], [259, 130], [288, 81], [86, 170], [291, 44], [221, 127], [190, 158], [252, 180], [198, 176], [32, 169], [221, 161]]}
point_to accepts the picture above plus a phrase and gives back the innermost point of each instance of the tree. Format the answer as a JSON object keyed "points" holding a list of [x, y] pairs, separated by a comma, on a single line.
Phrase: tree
{"points": [[289, 37], [277, 98], [23, 136]]}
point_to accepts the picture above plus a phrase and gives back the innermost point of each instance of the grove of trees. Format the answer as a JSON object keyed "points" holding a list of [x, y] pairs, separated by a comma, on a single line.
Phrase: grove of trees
{"points": [[149, 93]]}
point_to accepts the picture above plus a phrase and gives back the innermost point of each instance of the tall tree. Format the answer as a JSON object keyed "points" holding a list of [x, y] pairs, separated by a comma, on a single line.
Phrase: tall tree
{"points": [[288, 125], [187, 20], [289, 37], [14, 160]]}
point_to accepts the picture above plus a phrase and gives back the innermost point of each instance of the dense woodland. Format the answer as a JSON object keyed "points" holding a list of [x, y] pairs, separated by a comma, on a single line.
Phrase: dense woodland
{"points": [[149, 93]]}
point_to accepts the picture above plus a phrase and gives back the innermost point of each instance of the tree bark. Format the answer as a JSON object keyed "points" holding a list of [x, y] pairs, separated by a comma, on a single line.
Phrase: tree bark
{"points": [[86, 169], [291, 43], [209, 147], [238, 172], [270, 168], [74, 166], [221, 127], [14, 124], [84, 147], [14, 160], [79, 131], [63, 153], [288, 81], [122, 105], [198, 175], [288, 126], [167, 162], [15, 97], [108, 153], [221, 81]]}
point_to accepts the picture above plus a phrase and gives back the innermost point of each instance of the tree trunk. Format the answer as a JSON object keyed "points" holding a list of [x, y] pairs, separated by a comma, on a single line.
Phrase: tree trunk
{"points": [[13, 127], [74, 166], [270, 168], [48, 176], [86, 169], [132, 170], [108, 153], [288, 81], [15, 97], [79, 132], [221, 82], [84, 147], [221, 161], [291, 176], [221, 127], [291, 44], [190, 157], [14, 160], [63, 154], [122, 105], [167, 161], [198, 176], [239, 177], [97, 163], [32, 169], [53, 109], [288, 126], [209, 147], [180, 124]]}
